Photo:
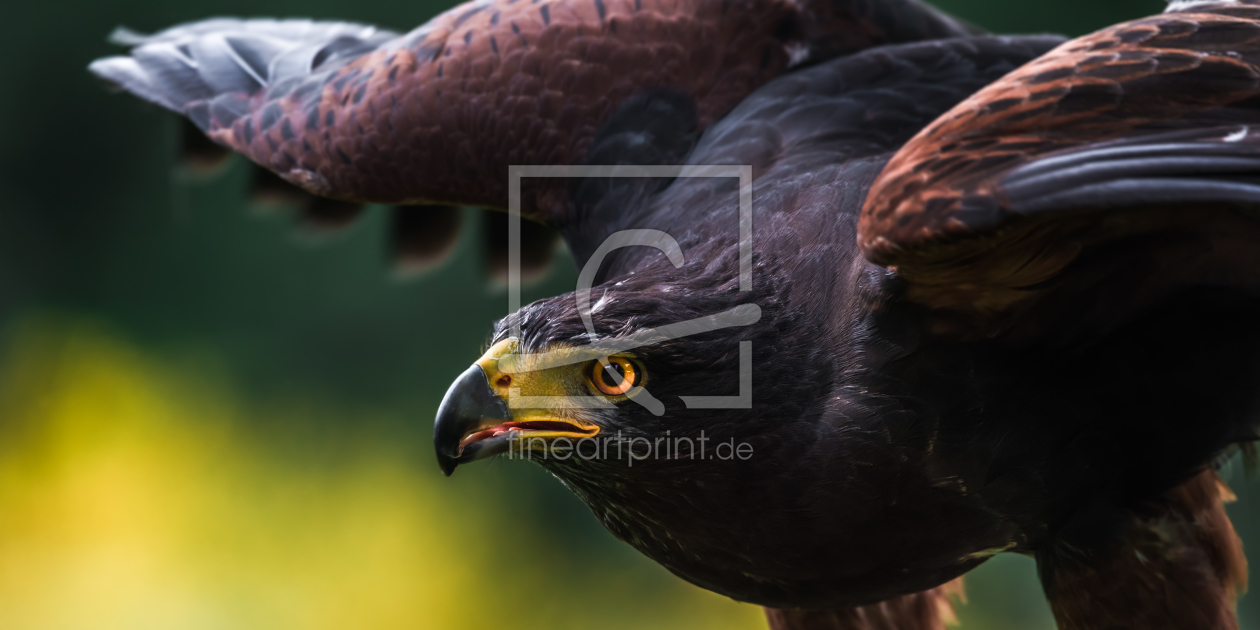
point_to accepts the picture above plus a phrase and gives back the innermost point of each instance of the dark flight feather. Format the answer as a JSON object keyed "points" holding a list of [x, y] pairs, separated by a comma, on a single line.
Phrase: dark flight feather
{"points": [[1092, 143]]}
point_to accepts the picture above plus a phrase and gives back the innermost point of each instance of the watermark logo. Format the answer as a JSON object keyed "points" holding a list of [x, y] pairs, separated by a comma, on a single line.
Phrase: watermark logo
{"points": [[743, 315], [633, 449]]}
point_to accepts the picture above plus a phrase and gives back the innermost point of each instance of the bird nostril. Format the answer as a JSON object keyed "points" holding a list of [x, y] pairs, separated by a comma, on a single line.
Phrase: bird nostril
{"points": [[504, 381]]}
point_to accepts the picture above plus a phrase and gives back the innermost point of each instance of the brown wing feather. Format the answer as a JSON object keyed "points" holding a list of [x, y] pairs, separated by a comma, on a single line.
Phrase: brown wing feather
{"points": [[440, 117], [987, 209], [945, 184], [437, 115]]}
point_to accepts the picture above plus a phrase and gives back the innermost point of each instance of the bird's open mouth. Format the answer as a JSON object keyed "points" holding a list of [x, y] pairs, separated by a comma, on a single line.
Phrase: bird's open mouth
{"points": [[536, 428], [474, 422], [499, 439]]}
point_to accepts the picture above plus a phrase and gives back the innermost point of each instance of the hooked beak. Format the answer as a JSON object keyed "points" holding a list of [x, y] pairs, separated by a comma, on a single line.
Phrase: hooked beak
{"points": [[470, 406], [474, 422]]}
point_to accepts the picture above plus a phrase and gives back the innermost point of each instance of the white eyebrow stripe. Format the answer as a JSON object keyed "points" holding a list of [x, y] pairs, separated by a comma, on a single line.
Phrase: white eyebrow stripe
{"points": [[742, 315]]}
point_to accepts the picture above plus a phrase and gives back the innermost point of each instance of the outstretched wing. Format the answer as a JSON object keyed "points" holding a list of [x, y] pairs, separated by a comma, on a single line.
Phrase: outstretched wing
{"points": [[437, 115], [1129, 158]]}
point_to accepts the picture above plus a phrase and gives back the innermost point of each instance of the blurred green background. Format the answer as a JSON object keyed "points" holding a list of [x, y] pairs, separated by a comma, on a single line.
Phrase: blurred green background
{"points": [[208, 422]]}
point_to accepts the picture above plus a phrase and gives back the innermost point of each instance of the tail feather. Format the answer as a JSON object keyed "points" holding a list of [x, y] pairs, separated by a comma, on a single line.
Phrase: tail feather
{"points": [[932, 609]]}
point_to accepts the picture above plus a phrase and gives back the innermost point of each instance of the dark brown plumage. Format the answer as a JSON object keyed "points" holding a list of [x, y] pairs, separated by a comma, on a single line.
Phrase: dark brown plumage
{"points": [[1153, 111], [1168, 73], [1179, 564], [1006, 286]]}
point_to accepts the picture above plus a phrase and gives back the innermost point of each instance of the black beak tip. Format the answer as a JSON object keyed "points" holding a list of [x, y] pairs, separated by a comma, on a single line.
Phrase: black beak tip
{"points": [[447, 464]]}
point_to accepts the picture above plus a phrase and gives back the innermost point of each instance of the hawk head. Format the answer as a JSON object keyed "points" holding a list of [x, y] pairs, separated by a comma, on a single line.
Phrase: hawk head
{"points": [[667, 353], [651, 420]]}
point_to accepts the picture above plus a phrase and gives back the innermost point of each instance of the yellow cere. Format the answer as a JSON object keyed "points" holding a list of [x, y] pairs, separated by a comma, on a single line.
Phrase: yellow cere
{"points": [[559, 371]]}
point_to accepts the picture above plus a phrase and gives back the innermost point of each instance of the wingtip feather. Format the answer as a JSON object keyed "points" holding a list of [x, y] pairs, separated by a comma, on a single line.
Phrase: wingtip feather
{"points": [[125, 74], [123, 36], [1175, 6]]}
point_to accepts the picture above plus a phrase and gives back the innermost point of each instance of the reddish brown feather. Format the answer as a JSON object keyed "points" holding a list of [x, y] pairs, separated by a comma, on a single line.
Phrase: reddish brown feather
{"points": [[1178, 565], [1089, 90], [439, 119]]}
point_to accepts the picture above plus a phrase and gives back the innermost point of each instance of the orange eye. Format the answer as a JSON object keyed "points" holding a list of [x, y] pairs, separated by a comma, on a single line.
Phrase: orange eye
{"points": [[618, 378]]}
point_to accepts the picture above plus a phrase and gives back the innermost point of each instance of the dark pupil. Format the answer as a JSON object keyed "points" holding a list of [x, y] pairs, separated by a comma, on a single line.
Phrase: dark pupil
{"points": [[609, 379]]}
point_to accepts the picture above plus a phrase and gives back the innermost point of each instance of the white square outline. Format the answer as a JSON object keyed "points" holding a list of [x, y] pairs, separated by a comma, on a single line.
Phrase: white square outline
{"points": [[743, 172]]}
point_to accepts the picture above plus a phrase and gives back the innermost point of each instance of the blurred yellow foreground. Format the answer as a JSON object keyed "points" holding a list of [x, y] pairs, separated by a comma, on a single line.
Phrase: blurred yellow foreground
{"points": [[137, 492]]}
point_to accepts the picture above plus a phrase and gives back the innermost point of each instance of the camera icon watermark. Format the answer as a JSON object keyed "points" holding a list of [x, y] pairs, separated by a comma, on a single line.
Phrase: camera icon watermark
{"points": [[743, 315]]}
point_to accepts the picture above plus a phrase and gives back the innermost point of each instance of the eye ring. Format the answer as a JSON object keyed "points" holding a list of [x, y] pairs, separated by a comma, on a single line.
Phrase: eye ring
{"points": [[607, 383]]}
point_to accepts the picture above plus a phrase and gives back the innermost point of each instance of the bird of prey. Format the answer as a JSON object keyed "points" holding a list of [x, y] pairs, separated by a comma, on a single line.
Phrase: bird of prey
{"points": [[992, 294]]}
